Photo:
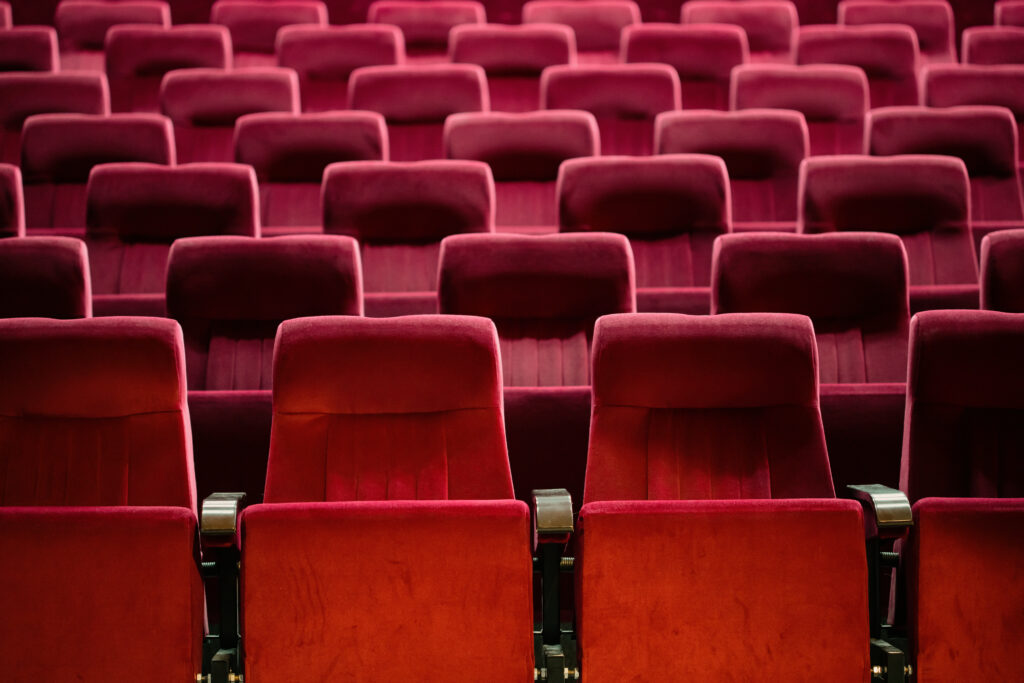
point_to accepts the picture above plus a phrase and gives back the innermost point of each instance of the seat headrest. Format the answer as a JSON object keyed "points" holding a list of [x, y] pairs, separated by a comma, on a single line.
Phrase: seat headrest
{"points": [[769, 24], [504, 50], [884, 50], [673, 361], [988, 45], [645, 196], [140, 51], [932, 20], [12, 202], [217, 97], [536, 277], [25, 94], [84, 23], [363, 366], [627, 91], [148, 203], [334, 52], [522, 146], [695, 51], [29, 48], [254, 24], [6, 21], [420, 93], [402, 202], [45, 277], [1002, 262], [426, 25], [596, 24], [948, 85], [91, 368], [821, 92]]}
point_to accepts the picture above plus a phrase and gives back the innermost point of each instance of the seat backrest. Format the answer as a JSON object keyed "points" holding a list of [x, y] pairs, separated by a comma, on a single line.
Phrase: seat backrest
{"points": [[12, 202], [44, 277], [706, 407], [543, 293], [333, 52], [988, 45], [29, 48], [769, 24], [254, 24], [597, 24], [93, 413], [420, 93], [949, 85], [1009, 13], [366, 409], [83, 24], [230, 294], [963, 427], [932, 21], [923, 199], [6, 20], [1002, 271], [853, 286], [426, 25], [25, 94], [517, 50]]}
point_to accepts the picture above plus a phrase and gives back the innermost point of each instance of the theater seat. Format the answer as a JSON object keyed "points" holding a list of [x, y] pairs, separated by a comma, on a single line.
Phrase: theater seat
{"points": [[5, 15], [290, 153], [254, 24], [833, 98], [400, 212], [83, 24], [1002, 271], [135, 212], [29, 48], [625, 98], [1009, 13], [12, 202], [597, 24], [425, 25], [98, 518], [989, 45], [762, 149], [770, 25], [932, 21], [524, 151], [44, 277], [671, 207]]}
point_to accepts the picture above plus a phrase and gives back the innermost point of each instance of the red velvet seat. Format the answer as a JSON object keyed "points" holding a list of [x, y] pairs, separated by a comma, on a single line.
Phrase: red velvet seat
{"points": [[524, 152], [932, 21], [254, 24], [770, 25], [625, 98], [59, 150], [425, 25], [25, 94], [325, 56], [833, 99], [888, 54], [762, 149], [414, 497], [12, 202], [702, 54], [29, 48], [671, 207], [83, 24], [923, 199], [290, 153], [415, 100], [1009, 13], [513, 58], [44, 277], [98, 517], [597, 24], [989, 45], [137, 57], [1002, 271], [135, 212], [400, 212]]}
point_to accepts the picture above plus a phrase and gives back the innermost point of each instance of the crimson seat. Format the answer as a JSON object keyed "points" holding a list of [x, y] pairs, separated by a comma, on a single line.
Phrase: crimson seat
{"points": [[83, 24], [770, 25], [12, 202], [1009, 13], [5, 15], [426, 25], [29, 48], [988, 45], [44, 277], [254, 24], [1002, 266], [932, 21], [597, 24]]}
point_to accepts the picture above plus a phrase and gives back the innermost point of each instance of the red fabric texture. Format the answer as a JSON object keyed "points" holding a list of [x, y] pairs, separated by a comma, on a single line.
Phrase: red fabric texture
{"points": [[365, 409], [5, 15], [888, 54], [658, 571], [231, 293], [932, 21], [395, 586], [290, 153], [44, 277], [29, 48], [1009, 13], [544, 294], [93, 412], [864, 432], [702, 54], [833, 98], [254, 24], [1002, 266], [426, 26], [762, 149], [137, 57], [964, 405], [231, 440], [702, 407], [597, 24], [988, 45], [770, 25], [83, 24], [83, 587], [964, 578], [12, 202]]}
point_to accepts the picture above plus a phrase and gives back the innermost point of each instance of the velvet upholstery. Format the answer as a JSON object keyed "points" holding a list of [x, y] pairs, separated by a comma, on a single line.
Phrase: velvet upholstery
{"points": [[290, 153], [964, 578], [988, 45], [597, 24], [29, 48], [702, 54], [416, 99], [137, 57], [205, 103], [888, 54], [59, 150], [762, 149], [230, 294], [44, 277], [853, 286], [671, 207], [770, 25], [660, 568], [702, 407], [963, 421], [6, 20], [625, 98], [324, 56], [366, 409], [426, 26], [231, 440], [25, 94], [524, 151], [1009, 13], [543, 293], [932, 21], [399, 212], [513, 58], [864, 431], [83, 24], [12, 202], [833, 98], [254, 24], [1002, 267]]}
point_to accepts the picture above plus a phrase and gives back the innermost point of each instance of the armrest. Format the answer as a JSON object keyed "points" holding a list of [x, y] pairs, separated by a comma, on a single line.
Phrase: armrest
{"points": [[887, 512], [218, 521], [218, 535], [552, 516]]}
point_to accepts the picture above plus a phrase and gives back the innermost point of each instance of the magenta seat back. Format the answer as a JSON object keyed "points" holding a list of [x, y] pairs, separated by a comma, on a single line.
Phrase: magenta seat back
{"points": [[770, 25], [1009, 13], [1002, 266], [83, 24], [29, 48], [6, 20], [989, 45], [230, 294], [853, 286], [254, 24], [44, 277], [426, 26], [932, 21], [12, 202], [706, 407], [597, 24]]}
